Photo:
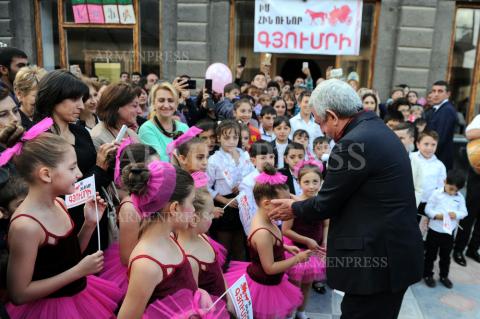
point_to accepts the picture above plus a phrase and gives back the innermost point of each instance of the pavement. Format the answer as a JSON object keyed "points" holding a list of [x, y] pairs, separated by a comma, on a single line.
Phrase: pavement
{"points": [[420, 301]]}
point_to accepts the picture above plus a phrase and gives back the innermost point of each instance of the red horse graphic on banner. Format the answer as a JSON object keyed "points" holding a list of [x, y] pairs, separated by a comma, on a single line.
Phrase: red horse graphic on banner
{"points": [[337, 15], [317, 15]]}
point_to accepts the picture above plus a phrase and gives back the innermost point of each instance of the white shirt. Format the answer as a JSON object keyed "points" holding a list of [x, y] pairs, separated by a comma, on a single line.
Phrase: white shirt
{"points": [[247, 206], [224, 174], [440, 203], [436, 107], [265, 136], [475, 124], [313, 129], [428, 175], [280, 153]]}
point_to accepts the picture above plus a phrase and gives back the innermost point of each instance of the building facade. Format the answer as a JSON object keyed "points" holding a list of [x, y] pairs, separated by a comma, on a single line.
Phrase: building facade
{"points": [[415, 42]]}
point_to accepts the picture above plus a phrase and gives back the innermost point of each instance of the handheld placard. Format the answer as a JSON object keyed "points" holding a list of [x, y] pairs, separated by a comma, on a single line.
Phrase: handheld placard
{"points": [[121, 134]]}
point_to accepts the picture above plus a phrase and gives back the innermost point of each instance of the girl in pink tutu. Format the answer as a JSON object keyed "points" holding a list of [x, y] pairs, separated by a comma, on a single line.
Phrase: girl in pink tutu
{"points": [[200, 252], [273, 296], [128, 219], [191, 153], [307, 235], [47, 276], [161, 282]]}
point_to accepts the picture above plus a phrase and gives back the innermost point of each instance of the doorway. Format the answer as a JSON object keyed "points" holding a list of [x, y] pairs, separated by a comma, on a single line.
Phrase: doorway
{"points": [[290, 67]]}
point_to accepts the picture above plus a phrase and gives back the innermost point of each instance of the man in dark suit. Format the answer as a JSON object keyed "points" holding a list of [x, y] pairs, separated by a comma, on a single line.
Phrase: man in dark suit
{"points": [[442, 119], [375, 248]]}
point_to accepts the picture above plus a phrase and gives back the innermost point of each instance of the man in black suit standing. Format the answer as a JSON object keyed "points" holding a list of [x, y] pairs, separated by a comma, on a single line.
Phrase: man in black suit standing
{"points": [[442, 119], [375, 248]]}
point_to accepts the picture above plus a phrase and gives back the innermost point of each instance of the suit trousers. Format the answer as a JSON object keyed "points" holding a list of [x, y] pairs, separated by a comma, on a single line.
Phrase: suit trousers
{"points": [[472, 219], [385, 305], [437, 243]]}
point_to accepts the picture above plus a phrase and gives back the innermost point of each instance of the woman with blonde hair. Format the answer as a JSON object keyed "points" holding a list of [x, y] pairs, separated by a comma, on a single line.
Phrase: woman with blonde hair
{"points": [[162, 128], [25, 87]]}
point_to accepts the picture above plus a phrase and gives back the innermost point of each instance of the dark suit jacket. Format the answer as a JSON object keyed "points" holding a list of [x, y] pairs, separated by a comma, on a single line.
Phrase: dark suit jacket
{"points": [[275, 151], [443, 122], [374, 242]]}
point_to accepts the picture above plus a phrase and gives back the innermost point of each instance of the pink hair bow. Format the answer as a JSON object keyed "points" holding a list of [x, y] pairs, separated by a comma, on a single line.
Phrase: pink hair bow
{"points": [[32, 133], [185, 137], [117, 174], [303, 163], [200, 179], [276, 179]]}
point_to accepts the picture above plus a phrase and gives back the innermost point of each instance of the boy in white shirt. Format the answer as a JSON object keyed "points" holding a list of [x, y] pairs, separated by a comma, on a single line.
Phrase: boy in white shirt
{"points": [[304, 120], [261, 154], [428, 171], [445, 207]]}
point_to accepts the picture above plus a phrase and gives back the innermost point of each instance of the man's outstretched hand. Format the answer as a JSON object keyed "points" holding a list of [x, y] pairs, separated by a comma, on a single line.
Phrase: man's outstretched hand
{"points": [[282, 209]]}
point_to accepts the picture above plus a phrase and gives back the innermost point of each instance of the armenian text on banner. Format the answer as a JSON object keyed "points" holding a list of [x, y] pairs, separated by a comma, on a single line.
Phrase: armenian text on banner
{"points": [[308, 27], [241, 299]]}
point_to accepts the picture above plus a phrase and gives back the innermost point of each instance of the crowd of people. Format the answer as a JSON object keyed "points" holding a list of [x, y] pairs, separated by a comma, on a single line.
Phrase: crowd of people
{"points": [[185, 181]]}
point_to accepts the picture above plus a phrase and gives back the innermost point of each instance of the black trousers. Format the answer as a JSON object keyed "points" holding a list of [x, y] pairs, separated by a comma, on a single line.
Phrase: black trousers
{"points": [[472, 219], [437, 244], [385, 305]]}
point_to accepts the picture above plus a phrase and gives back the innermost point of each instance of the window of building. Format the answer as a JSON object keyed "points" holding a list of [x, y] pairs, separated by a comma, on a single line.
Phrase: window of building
{"points": [[464, 62]]}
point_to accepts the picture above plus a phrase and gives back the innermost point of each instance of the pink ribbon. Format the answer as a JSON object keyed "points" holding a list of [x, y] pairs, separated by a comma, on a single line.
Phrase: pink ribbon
{"points": [[200, 179], [302, 163], [185, 137], [32, 133], [276, 179], [117, 174]]}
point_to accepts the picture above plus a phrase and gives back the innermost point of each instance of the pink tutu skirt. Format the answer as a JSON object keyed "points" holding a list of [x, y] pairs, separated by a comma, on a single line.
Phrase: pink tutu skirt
{"points": [[314, 269], [113, 269], [268, 302], [184, 304], [220, 250], [98, 300]]}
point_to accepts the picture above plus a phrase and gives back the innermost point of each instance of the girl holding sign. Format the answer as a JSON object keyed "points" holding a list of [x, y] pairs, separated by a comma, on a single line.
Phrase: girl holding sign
{"points": [[161, 281], [47, 276], [226, 169], [273, 296]]}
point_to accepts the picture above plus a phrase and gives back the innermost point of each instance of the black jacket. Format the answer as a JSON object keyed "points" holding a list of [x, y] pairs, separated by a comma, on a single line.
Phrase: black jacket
{"points": [[374, 242], [443, 121], [286, 171]]}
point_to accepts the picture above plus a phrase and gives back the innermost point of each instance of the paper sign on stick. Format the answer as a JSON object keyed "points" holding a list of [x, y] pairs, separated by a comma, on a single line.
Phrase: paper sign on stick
{"points": [[84, 191], [447, 223], [241, 299]]}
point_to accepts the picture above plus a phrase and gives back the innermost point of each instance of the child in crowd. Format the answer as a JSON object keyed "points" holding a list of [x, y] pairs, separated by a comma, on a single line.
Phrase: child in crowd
{"points": [[310, 235], [304, 120], [416, 112], [13, 191], [208, 134], [189, 151], [444, 203], [428, 171], [294, 153], [281, 128], [224, 109], [203, 256], [226, 169], [393, 118], [243, 113], [321, 149], [263, 101], [420, 124], [406, 133], [159, 279], [292, 108], [128, 219], [273, 89], [244, 142], [280, 106], [301, 137], [267, 117], [261, 154], [47, 276], [273, 296]]}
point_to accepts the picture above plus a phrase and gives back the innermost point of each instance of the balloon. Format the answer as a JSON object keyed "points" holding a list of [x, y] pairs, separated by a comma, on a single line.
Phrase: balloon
{"points": [[220, 75]]}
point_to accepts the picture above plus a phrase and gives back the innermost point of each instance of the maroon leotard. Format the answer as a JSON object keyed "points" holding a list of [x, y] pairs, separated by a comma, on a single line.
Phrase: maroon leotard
{"points": [[312, 229], [210, 275], [255, 269], [57, 254], [180, 277]]}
